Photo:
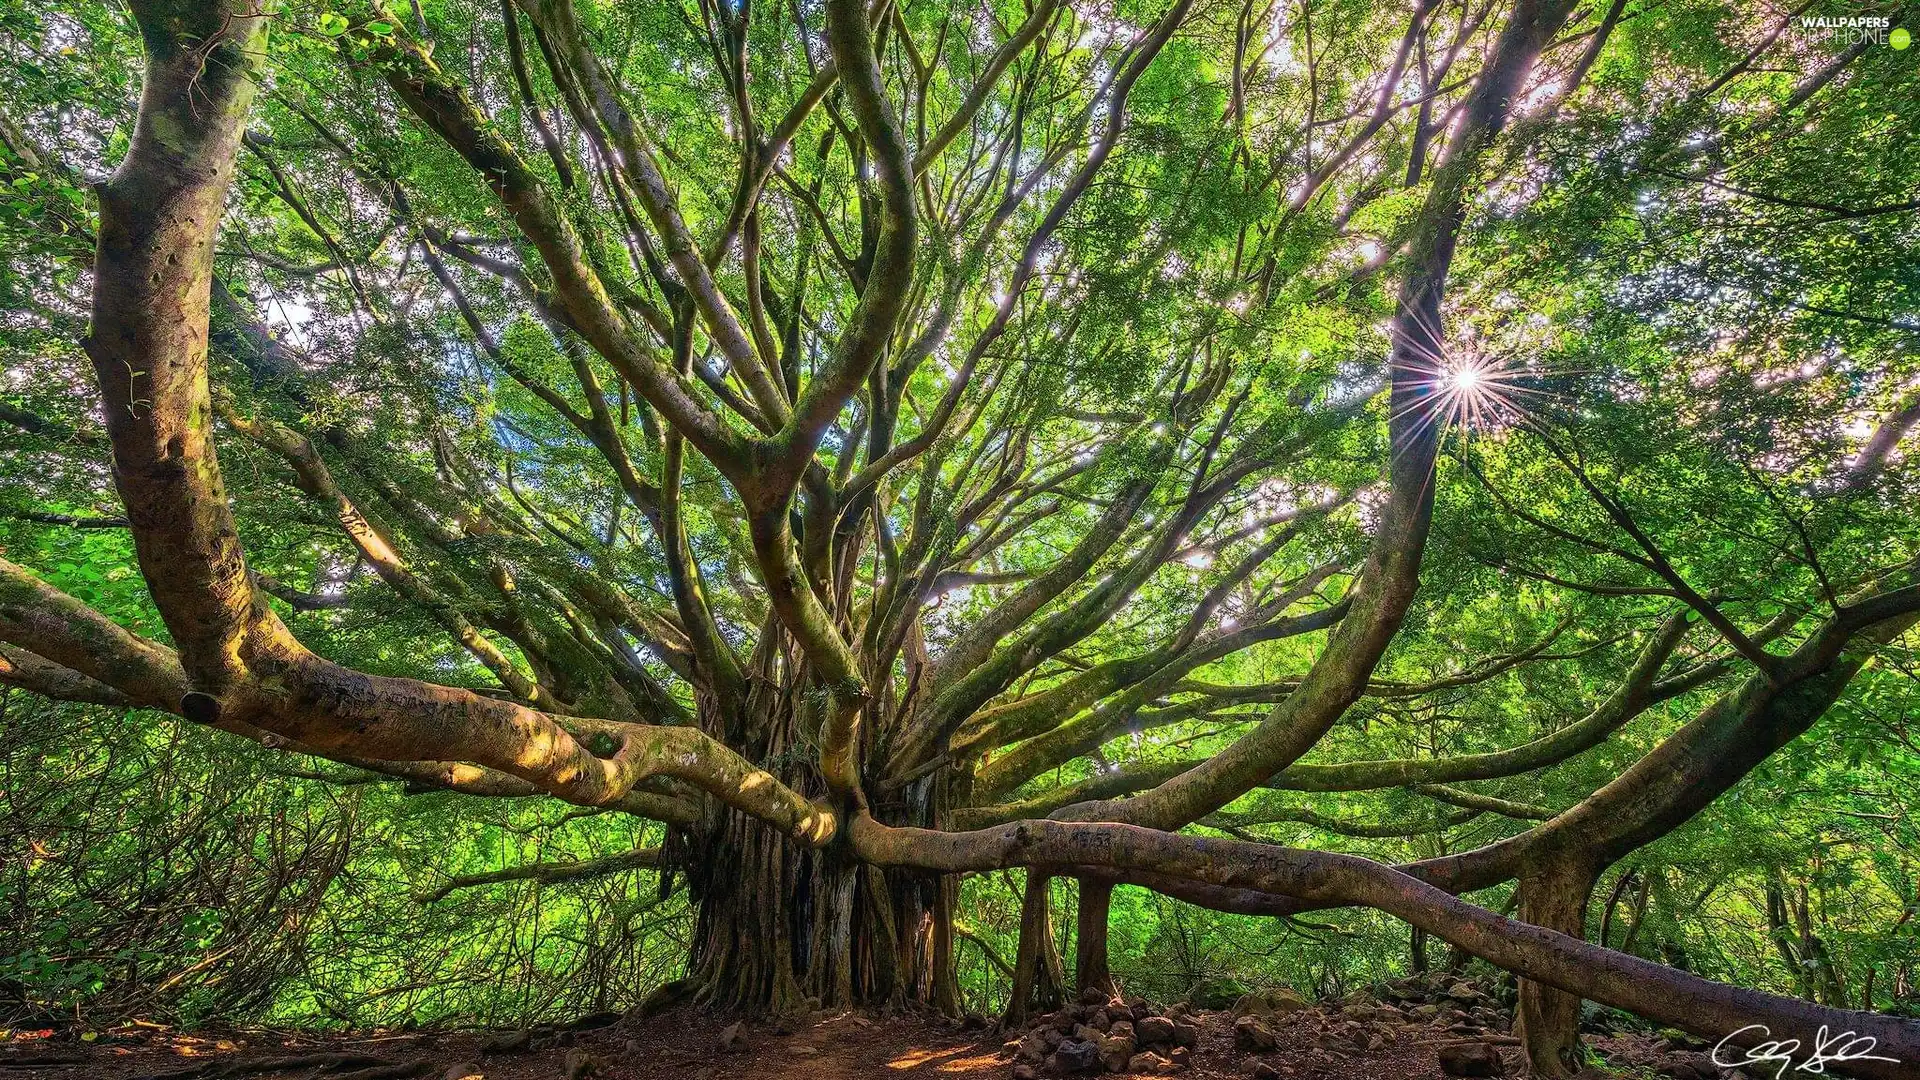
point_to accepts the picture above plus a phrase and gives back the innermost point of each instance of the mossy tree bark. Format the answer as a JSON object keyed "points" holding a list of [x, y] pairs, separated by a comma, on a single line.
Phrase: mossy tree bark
{"points": [[1547, 1019], [1091, 970], [1039, 978]]}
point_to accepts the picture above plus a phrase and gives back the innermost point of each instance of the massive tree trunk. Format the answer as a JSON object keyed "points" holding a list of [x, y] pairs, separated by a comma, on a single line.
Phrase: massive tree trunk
{"points": [[1090, 969], [784, 927], [1547, 1020], [922, 904], [780, 927], [775, 925], [1038, 976]]}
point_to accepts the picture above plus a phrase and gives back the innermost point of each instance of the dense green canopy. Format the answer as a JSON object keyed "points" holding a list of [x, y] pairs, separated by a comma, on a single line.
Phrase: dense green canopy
{"points": [[1464, 434]]}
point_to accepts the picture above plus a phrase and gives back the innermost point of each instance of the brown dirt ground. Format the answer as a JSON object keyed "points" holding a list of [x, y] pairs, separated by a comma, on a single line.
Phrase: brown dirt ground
{"points": [[683, 1045]]}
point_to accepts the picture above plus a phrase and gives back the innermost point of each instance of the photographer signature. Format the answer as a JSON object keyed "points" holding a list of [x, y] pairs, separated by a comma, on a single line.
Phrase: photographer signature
{"points": [[1826, 1050]]}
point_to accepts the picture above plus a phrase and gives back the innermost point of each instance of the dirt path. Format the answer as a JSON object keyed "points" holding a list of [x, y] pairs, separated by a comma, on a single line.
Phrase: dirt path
{"points": [[683, 1045], [1316, 1044]]}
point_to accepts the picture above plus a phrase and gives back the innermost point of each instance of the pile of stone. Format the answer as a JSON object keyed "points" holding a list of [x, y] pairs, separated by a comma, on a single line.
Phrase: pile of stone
{"points": [[1461, 1024], [1458, 1021], [1100, 1034], [1255, 1014], [1470, 1019], [1448, 999], [1670, 1054], [1354, 1026]]}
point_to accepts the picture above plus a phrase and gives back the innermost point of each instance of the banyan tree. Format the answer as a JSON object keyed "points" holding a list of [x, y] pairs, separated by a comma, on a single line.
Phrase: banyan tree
{"points": [[888, 440]]}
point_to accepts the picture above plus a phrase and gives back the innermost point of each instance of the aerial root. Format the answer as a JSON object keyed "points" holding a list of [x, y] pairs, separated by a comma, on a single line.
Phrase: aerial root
{"points": [[399, 1070], [337, 1066]]}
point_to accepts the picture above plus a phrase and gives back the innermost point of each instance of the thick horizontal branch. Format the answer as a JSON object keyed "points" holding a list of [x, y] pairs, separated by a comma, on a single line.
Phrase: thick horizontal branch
{"points": [[28, 671], [1667, 996], [546, 873], [1275, 815], [70, 521], [1475, 801]]}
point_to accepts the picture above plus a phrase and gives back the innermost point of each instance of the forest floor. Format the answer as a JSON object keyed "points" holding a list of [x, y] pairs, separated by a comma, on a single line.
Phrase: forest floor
{"points": [[1319, 1043]]}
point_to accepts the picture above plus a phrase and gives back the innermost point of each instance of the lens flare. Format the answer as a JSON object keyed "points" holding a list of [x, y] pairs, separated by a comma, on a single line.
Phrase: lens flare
{"points": [[1469, 387], [1476, 393]]}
